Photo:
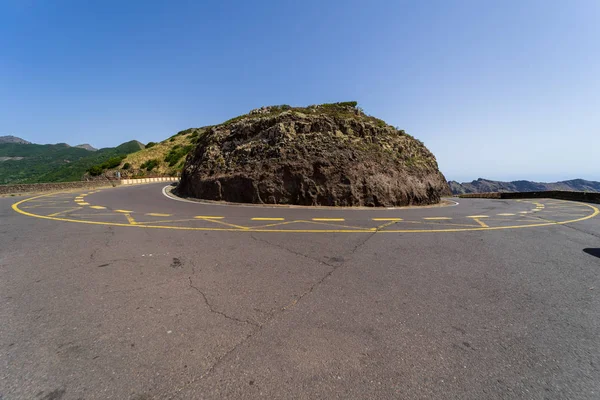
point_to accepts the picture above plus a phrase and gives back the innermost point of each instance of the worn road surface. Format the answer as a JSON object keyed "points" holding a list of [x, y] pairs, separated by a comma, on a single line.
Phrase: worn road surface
{"points": [[127, 294]]}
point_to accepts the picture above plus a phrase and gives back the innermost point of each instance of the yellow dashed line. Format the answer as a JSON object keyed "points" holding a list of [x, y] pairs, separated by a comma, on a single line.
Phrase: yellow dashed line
{"points": [[328, 219], [207, 217], [505, 214], [436, 218], [98, 207], [524, 212], [386, 219], [267, 219], [477, 216], [123, 211], [158, 215], [82, 203]]}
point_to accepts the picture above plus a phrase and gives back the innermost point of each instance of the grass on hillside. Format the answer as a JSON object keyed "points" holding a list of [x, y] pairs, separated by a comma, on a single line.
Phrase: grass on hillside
{"points": [[162, 159]]}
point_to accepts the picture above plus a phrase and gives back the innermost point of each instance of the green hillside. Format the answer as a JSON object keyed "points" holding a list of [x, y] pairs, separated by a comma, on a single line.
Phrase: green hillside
{"points": [[35, 163]]}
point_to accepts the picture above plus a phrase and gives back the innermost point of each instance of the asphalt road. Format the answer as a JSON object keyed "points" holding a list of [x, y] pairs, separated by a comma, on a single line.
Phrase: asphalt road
{"points": [[127, 294]]}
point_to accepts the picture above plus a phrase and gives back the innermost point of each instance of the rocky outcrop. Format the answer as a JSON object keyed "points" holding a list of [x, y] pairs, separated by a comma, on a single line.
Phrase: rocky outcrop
{"points": [[13, 139], [331, 155]]}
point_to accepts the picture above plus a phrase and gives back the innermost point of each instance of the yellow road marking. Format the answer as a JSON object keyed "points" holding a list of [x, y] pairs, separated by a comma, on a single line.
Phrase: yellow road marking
{"points": [[123, 211], [436, 218], [389, 223], [43, 206], [216, 220], [163, 221], [480, 222], [505, 214], [386, 219], [524, 212], [158, 215], [477, 216], [207, 217], [98, 207], [82, 203], [267, 219], [130, 219], [16, 208], [64, 211], [328, 219]]}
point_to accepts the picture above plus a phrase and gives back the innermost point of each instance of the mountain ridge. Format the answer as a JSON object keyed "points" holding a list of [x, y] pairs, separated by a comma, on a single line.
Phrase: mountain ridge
{"points": [[36, 163], [486, 186]]}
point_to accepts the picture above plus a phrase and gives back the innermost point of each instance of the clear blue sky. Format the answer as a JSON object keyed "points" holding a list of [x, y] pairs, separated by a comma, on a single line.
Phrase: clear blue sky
{"points": [[496, 89]]}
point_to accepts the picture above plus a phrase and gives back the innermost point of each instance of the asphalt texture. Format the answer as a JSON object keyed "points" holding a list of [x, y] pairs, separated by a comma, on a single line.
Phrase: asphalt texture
{"points": [[127, 294]]}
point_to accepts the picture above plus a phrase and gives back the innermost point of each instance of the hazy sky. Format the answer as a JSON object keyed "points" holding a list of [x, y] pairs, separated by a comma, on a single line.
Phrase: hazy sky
{"points": [[496, 89]]}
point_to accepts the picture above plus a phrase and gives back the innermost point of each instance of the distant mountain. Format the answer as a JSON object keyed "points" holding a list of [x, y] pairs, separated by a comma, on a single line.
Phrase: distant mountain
{"points": [[486, 186], [13, 139], [87, 147], [34, 163]]}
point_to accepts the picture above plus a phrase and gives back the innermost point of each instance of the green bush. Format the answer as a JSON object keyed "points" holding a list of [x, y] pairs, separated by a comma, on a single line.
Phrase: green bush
{"points": [[112, 162], [150, 145], [150, 164], [95, 170], [176, 153], [352, 104], [126, 166], [172, 139]]}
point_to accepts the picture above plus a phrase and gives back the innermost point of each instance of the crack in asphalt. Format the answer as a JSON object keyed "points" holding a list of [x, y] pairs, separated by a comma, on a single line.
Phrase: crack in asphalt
{"points": [[214, 311], [271, 314], [290, 251]]}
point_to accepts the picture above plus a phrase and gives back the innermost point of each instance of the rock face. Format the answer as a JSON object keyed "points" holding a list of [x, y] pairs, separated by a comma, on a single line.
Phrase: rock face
{"points": [[331, 154]]}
